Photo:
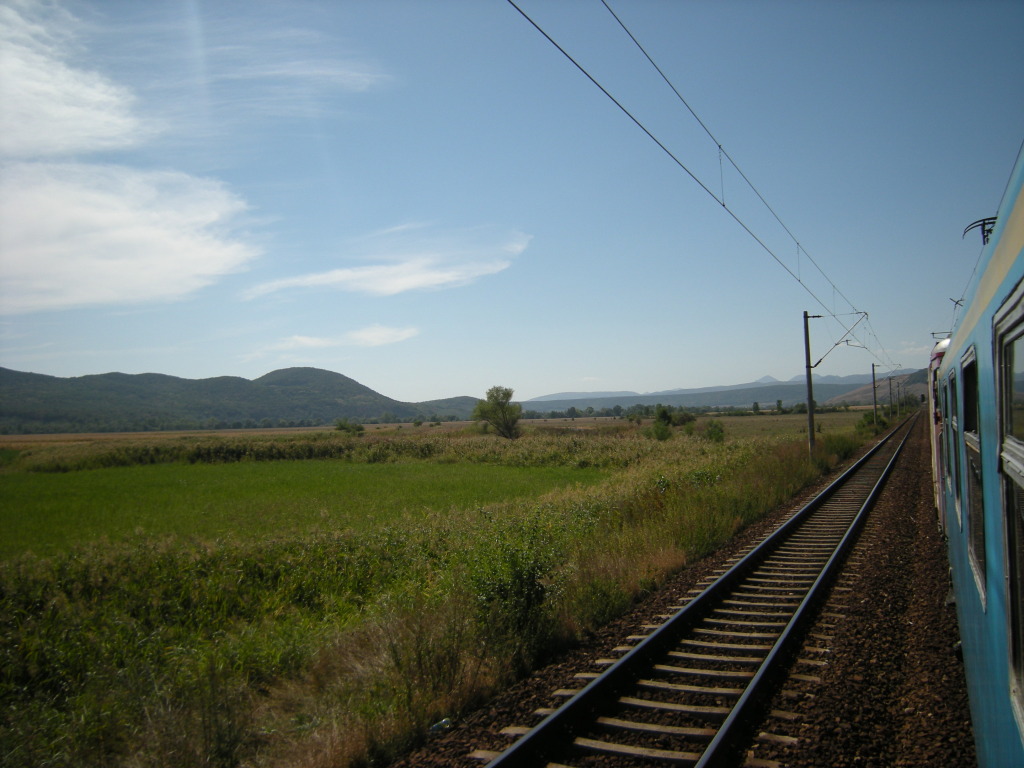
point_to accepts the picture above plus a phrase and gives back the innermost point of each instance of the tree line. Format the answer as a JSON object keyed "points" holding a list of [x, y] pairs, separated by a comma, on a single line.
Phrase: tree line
{"points": [[634, 412]]}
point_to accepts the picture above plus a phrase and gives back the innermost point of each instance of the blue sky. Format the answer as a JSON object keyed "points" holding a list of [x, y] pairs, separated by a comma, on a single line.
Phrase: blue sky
{"points": [[430, 198]]}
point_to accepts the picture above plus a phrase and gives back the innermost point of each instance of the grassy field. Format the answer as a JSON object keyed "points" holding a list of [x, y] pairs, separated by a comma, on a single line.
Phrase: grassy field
{"points": [[46, 513], [317, 599]]}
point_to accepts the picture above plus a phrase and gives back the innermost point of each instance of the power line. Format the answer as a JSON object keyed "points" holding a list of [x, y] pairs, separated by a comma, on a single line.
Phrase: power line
{"points": [[655, 139], [692, 175], [722, 152], [616, 102]]}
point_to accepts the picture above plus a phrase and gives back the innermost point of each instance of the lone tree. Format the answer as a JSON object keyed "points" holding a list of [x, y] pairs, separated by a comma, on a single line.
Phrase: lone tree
{"points": [[500, 412]]}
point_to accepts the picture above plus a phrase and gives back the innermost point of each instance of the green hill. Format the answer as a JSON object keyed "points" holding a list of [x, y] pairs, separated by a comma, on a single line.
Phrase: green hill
{"points": [[119, 402]]}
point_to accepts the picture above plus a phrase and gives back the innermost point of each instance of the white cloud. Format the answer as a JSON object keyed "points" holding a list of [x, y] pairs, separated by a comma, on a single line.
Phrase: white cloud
{"points": [[302, 342], [387, 279], [351, 77], [74, 235], [379, 335], [371, 336], [243, 70], [912, 349], [47, 107], [426, 262]]}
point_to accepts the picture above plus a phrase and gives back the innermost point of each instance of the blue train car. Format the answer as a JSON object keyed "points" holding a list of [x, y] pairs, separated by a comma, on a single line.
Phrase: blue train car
{"points": [[978, 380]]}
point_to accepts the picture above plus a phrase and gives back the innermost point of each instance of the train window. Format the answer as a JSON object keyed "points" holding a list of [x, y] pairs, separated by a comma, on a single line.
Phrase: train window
{"points": [[1010, 382], [970, 375], [1015, 578], [954, 446], [1013, 454], [946, 422], [1015, 388], [975, 506]]}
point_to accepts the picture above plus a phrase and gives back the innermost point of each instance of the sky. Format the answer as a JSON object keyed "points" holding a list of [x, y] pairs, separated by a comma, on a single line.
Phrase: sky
{"points": [[432, 199]]}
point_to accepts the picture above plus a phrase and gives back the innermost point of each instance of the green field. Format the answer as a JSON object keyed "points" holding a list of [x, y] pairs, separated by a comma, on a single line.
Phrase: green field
{"points": [[316, 599], [46, 513]]}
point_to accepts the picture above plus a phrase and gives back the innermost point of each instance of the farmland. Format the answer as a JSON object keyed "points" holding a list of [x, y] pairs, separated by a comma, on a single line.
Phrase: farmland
{"points": [[316, 598]]}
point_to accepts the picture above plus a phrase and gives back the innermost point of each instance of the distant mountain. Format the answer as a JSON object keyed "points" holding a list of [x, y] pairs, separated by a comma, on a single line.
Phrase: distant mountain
{"points": [[764, 381], [849, 382], [914, 383], [574, 395], [852, 380], [31, 402], [725, 397], [766, 391]]}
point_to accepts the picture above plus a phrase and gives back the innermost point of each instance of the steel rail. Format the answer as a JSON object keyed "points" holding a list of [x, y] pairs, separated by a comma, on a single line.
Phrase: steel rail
{"points": [[531, 749]]}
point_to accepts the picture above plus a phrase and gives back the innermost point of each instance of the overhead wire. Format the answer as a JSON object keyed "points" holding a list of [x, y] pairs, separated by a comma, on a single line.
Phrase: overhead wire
{"points": [[655, 139], [722, 152], [701, 184]]}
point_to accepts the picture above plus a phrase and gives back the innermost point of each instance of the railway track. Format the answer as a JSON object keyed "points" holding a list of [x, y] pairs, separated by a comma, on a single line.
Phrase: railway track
{"points": [[690, 691]]}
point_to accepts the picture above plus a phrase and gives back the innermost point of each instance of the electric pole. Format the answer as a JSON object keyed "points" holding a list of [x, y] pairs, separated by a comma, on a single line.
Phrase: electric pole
{"points": [[874, 397], [810, 385]]}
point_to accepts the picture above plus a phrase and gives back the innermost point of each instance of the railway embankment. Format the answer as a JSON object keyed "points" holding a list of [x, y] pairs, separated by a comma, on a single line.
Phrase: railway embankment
{"points": [[892, 692]]}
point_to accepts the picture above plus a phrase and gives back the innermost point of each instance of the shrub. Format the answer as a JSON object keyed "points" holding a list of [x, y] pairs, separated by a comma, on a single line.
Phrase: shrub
{"points": [[680, 418], [659, 430], [662, 415], [512, 576], [714, 431], [867, 424], [836, 446], [352, 428]]}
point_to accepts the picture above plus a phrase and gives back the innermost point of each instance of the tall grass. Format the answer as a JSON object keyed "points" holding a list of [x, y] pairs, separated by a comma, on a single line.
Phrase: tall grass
{"points": [[341, 648], [618, 447]]}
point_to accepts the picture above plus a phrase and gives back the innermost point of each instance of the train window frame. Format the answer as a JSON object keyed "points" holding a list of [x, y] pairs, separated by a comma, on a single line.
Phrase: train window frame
{"points": [[1008, 330], [973, 477]]}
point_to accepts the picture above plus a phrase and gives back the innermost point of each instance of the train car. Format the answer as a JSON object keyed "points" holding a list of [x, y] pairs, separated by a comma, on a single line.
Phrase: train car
{"points": [[979, 385]]}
